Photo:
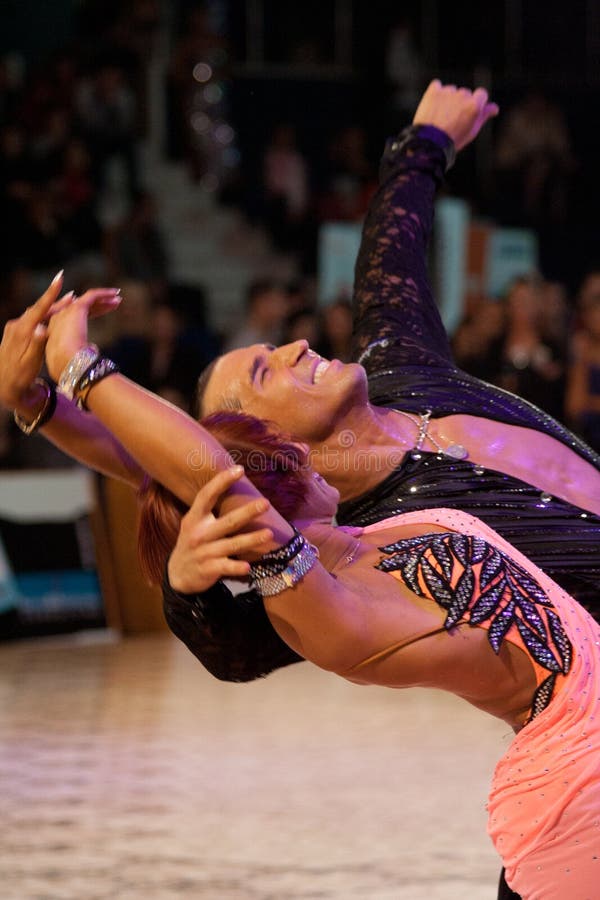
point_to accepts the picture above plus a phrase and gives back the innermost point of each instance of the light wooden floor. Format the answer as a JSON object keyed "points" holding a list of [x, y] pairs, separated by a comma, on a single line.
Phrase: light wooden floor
{"points": [[126, 771]]}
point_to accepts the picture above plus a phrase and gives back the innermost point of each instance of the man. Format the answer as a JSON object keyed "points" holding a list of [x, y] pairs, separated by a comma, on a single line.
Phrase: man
{"points": [[482, 450]]}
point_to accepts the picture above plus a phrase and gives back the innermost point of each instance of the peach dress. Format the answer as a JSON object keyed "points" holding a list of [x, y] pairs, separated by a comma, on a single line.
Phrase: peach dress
{"points": [[544, 802]]}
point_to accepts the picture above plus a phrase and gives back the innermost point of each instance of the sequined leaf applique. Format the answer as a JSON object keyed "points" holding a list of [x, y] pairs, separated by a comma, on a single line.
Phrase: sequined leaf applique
{"points": [[440, 566]]}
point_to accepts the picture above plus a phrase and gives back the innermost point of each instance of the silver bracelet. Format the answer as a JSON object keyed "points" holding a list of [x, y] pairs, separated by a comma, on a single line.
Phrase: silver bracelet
{"points": [[75, 369], [296, 569]]}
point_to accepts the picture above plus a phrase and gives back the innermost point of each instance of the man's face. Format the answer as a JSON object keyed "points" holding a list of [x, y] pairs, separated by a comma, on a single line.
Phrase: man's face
{"points": [[289, 385]]}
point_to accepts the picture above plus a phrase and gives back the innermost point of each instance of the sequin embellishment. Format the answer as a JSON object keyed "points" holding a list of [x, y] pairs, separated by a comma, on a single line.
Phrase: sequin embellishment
{"points": [[476, 583]]}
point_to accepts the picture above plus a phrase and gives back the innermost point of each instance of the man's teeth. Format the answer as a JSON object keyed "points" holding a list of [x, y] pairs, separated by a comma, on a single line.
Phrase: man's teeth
{"points": [[320, 370]]}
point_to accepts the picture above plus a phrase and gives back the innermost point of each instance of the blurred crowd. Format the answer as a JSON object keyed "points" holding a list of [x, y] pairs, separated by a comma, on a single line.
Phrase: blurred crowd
{"points": [[72, 196], [541, 344]]}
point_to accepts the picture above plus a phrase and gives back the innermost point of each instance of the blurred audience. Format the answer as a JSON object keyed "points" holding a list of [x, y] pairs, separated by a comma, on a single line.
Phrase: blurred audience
{"points": [[583, 386], [534, 160], [533, 365], [479, 340], [266, 310]]}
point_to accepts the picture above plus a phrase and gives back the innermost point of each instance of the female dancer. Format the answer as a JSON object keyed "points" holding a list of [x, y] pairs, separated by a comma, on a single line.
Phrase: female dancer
{"points": [[433, 597]]}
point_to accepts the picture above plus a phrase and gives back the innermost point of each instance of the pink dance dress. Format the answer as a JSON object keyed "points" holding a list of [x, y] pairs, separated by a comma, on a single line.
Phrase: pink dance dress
{"points": [[544, 802]]}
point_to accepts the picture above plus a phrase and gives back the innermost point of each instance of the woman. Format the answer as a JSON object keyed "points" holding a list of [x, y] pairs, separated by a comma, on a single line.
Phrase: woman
{"points": [[430, 598]]}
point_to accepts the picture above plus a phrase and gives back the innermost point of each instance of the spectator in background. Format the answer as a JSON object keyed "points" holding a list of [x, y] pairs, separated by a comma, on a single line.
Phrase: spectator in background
{"points": [[404, 73], [303, 324], [478, 341], [155, 346], [532, 366], [336, 331], [286, 185], [265, 314], [534, 159], [582, 402], [351, 181], [107, 110], [555, 318], [136, 248]]}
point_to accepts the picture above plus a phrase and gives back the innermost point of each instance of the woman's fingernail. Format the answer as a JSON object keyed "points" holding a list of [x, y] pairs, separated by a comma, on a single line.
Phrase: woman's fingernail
{"points": [[58, 276], [237, 470], [40, 330]]}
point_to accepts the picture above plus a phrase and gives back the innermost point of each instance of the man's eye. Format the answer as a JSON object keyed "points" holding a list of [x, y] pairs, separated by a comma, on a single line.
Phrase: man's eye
{"points": [[263, 373]]}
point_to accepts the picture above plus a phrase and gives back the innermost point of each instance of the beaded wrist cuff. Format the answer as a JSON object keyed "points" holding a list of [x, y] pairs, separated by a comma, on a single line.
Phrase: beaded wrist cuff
{"points": [[270, 577], [46, 412], [274, 562], [76, 368], [101, 368]]}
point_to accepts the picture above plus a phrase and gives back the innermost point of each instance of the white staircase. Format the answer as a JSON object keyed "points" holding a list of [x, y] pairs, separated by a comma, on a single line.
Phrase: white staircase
{"points": [[211, 246]]}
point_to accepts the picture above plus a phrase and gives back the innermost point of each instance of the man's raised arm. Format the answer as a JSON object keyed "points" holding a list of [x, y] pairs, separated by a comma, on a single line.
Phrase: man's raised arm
{"points": [[396, 320]]}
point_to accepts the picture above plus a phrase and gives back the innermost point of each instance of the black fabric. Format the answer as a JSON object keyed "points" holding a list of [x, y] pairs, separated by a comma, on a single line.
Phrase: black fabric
{"points": [[231, 635], [400, 339]]}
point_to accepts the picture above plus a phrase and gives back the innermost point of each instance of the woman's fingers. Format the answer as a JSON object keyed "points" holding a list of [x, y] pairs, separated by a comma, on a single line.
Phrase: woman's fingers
{"points": [[38, 311], [233, 522], [240, 544], [208, 495]]}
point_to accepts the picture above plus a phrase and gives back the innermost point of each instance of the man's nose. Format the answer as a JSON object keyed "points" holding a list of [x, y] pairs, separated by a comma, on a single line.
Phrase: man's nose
{"points": [[287, 354]]}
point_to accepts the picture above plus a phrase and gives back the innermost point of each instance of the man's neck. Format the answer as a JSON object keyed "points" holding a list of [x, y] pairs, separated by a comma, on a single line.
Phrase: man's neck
{"points": [[365, 447]]}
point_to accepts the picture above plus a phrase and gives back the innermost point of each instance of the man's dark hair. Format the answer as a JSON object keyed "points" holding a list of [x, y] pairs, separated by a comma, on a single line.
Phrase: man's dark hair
{"points": [[231, 403]]}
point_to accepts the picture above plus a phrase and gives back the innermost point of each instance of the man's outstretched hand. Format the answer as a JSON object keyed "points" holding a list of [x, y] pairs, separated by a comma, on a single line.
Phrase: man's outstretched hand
{"points": [[459, 112]]}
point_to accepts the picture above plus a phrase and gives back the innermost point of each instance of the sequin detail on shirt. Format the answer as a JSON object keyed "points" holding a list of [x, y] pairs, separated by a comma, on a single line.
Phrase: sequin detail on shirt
{"points": [[478, 584]]}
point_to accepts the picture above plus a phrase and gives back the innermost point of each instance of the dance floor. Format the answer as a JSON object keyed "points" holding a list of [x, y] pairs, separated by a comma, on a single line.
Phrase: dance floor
{"points": [[127, 771]]}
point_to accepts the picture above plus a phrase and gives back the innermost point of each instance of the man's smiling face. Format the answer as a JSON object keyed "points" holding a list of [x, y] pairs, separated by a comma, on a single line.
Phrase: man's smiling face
{"points": [[290, 385]]}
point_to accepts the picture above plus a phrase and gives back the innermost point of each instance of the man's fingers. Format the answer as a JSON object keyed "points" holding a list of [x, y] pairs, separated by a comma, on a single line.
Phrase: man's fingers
{"points": [[480, 96]]}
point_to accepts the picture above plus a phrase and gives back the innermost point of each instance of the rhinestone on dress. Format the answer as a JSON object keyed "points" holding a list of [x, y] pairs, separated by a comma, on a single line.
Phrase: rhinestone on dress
{"points": [[456, 451]]}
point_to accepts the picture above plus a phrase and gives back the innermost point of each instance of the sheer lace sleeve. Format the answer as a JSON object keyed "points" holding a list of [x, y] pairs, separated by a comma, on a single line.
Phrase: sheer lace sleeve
{"points": [[396, 321], [230, 635]]}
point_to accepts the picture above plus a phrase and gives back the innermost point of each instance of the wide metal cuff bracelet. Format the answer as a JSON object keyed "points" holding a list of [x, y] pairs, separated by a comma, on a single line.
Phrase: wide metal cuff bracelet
{"points": [[75, 369]]}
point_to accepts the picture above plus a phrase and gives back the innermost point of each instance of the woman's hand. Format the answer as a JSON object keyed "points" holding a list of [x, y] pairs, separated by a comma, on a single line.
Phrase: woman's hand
{"points": [[68, 327], [207, 543], [22, 347]]}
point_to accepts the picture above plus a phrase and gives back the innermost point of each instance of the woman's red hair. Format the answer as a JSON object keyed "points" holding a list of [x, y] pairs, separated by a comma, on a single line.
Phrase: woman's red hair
{"points": [[271, 460]]}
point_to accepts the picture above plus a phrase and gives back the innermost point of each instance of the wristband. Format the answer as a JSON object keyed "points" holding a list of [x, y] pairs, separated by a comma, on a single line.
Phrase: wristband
{"points": [[101, 368]]}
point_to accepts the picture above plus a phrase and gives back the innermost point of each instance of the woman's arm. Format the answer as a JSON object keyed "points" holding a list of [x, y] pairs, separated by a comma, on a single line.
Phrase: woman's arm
{"points": [[320, 618]]}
